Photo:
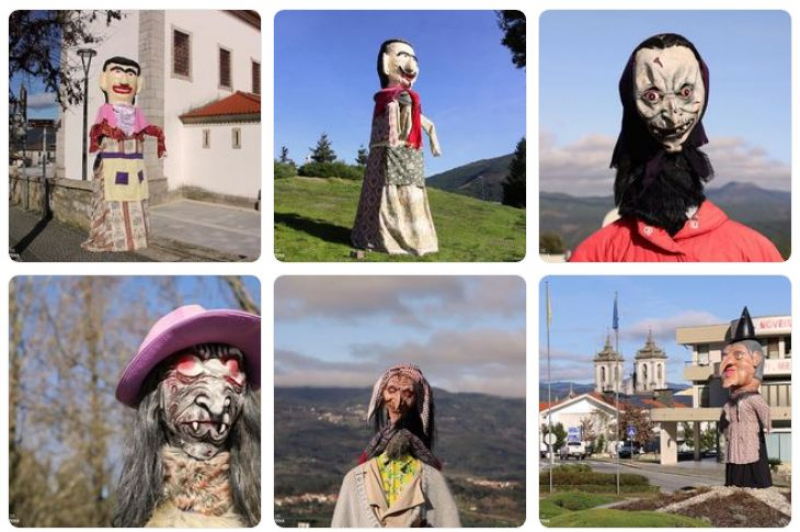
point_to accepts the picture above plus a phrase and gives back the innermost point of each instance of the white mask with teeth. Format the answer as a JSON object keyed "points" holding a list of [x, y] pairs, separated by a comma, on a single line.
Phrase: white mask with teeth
{"points": [[400, 65], [201, 397], [669, 93]]}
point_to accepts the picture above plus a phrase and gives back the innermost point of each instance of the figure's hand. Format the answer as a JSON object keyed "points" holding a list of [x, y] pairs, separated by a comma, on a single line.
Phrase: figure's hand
{"points": [[430, 129], [435, 148]]}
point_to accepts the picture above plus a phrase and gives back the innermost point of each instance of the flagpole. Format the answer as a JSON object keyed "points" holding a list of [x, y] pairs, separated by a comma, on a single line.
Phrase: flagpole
{"points": [[549, 397], [616, 382]]}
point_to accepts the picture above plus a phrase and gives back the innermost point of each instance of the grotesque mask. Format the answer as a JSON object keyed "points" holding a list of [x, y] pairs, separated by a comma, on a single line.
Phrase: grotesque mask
{"points": [[120, 81], [400, 66], [201, 396], [398, 396], [740, 363], [669, 93]]}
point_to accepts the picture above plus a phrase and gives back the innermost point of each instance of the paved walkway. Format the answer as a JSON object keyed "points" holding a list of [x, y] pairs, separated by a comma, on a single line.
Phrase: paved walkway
{"points": [[227, 229], [184, 231]]}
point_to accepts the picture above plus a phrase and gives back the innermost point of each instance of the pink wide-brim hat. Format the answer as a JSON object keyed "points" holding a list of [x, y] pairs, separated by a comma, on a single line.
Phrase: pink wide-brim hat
{"points": [[188, 326]]}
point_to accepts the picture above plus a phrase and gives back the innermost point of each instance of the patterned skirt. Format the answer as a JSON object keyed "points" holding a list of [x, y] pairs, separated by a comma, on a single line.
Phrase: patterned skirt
{"points": [[115, 225], [393, 211]]}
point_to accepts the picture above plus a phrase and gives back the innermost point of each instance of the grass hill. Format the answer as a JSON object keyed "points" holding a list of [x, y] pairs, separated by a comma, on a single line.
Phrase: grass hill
{"points": [[313, 218], [320, 433], [480, 179], [766, 211]]}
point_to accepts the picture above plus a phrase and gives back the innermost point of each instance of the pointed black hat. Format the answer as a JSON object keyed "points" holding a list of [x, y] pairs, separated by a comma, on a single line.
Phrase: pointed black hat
{"points": [[745, 330]]}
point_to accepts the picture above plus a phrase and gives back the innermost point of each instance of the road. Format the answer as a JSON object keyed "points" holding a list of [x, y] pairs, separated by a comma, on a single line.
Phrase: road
{"points": [[668, 478]]}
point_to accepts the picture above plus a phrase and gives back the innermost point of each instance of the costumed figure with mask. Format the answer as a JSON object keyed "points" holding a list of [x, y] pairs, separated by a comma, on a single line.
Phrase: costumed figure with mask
{"points": [[193, 457], [663, 214], [119, 217], [745, 416], [398, 482], [393, 212]]}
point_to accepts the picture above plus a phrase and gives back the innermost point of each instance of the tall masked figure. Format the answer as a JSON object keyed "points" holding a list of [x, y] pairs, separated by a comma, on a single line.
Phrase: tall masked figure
{"points": [[393, 212], [745, 416], [663, 214], [398, 481], [119, 217], [193, 457]]}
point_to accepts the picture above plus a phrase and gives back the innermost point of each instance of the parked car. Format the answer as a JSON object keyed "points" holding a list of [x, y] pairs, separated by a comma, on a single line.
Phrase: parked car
{"points": [[628, 449], [574, 449]]}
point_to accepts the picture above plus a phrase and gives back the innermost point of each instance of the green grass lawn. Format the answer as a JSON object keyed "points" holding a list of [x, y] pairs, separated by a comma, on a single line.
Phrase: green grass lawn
{"points": [[571, 501], [610, 518], [313, 218]]}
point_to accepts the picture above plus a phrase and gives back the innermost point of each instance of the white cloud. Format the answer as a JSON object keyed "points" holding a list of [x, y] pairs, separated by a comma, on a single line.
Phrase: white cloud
{"points": [[479, 360], [582, 167], [41, 100], [408, 300]]}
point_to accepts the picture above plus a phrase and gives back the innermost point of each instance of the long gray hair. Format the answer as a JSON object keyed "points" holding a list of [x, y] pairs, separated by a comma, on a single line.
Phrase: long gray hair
{"points": [[140, 487]]}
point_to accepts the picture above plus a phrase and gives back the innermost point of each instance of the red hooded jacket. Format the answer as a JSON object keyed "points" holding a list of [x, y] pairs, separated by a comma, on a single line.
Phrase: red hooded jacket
{"points": [[709, 236]]}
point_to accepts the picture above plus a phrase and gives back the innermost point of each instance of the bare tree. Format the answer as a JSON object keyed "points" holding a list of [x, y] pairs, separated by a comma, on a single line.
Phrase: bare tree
{"points": [[242, 295], [36, 40]]}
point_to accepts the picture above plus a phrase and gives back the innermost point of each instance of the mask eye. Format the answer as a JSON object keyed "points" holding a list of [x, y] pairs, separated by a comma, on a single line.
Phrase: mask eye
{"points": [[686, 92], [651, 96], [188, 365], [233, 366]]}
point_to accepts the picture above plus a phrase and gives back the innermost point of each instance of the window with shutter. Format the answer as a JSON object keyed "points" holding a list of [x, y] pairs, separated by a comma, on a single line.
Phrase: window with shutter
{"points": [[181, 54], [225, 68]]}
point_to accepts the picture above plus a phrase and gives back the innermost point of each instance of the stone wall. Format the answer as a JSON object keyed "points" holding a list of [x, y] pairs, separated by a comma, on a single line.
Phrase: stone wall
{"points": [[70, 200]]}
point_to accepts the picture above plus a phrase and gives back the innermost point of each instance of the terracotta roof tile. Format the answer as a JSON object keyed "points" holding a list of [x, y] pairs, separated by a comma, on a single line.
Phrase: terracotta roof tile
{"points": [[238, 103]]}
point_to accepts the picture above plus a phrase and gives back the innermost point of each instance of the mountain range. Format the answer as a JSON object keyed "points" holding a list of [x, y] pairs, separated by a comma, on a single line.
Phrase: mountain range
{"points": [[767, 211], [480, 179]]}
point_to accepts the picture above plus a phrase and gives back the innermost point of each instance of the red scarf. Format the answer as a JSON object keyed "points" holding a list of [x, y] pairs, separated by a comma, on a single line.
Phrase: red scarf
{"points": [[385, 96]]}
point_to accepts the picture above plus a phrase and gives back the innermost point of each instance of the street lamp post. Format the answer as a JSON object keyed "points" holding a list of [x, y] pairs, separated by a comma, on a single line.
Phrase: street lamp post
{"points": [[86, 55]]}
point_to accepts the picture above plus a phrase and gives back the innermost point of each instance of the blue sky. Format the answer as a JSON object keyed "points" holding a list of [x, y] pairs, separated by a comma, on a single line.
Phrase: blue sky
{"points": [[325, 77], [582, 308], [748, 119], [466, 333]]}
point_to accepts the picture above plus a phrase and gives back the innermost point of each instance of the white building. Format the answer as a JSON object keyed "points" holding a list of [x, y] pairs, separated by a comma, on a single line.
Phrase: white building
{"points": [[190, 60], [650, 367], [608, 369]]}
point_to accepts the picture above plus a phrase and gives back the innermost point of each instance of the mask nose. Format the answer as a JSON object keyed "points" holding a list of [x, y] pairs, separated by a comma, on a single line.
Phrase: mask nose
{"points": [[215, 400], [672, 112]]}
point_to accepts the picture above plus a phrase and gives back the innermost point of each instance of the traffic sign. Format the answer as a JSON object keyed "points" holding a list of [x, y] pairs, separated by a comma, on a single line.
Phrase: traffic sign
{"points": [[631, 432], [550, 439]]}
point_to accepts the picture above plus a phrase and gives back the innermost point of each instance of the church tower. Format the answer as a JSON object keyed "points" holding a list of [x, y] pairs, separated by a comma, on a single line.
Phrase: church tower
{"points": [[608, 369], [650, 367]]}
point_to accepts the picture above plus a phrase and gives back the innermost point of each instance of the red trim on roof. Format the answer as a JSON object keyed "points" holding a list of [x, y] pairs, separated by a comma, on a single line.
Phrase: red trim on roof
{"points": [[238, 103]]}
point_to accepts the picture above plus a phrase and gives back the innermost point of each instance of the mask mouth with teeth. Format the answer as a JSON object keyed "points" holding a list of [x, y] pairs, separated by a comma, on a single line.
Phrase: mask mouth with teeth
{"points": [[661, 171], [201, 397]]}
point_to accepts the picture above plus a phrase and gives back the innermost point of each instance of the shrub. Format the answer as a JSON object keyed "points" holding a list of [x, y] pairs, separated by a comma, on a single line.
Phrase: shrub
{"points": [[338, 169], [582, 476], [284, 170]]}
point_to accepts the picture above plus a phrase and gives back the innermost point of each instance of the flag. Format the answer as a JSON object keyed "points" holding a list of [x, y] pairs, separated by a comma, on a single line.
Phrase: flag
{"points": [[615, 321]]}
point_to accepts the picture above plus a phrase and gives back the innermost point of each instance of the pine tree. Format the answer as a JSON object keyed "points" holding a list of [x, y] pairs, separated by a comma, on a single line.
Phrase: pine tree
{"points": [[285, 155], [361, 158], [323, 152], [513, 25], [514, 185]]}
